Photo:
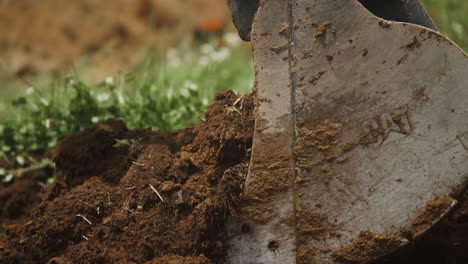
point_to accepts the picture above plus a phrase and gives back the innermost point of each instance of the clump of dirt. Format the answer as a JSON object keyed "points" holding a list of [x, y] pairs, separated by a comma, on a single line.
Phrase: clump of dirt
{"points": [[178, 259], [320, 28], [317, 149], [270, 174], [312, 225], [368, 246], [18, 198], [446, 242], [125, 196], [431, 213]]}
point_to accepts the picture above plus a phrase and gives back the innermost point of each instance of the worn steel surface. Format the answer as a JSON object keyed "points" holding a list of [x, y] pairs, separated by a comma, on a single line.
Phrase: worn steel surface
{"points": [[361, 126]]}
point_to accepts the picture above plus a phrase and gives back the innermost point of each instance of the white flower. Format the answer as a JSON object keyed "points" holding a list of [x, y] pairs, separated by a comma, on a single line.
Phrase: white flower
{"points": [[174, 62], [185, 92], [205, 101], [20, 160], [458, 28], [221, 55], [120, 98], [49, 123], [170, 93], [191, 85], [172, 53], [109, 80], [207, 48], [29, 90], [103, 97], [232, 39], [204, 61], [44, 101], [71, 82], [95, 119], [173, 59]]}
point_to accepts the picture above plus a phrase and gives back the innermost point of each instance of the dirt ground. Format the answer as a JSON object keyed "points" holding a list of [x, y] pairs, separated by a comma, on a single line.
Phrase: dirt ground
{"points": [[158, 198], [161, 198], [50, 35]]}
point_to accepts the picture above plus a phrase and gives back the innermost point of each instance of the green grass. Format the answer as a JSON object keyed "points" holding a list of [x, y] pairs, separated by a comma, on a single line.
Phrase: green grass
{"points": [[167, 91], [451, 18]]}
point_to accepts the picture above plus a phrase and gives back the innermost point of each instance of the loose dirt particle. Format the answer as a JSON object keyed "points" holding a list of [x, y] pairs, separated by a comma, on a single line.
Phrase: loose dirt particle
{"points": [[321, 28], [385, 23], [279, 49], [321, 139], [365, 52], [413, 44], [402, 59], [284, 31], [178, 260], [433, 211], [312, 225], [314, 80], [368, 246]]}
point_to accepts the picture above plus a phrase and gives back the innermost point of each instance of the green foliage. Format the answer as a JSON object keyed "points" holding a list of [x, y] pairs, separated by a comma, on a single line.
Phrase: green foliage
{"points": [[451, 18], [166, 92], [8, 175], [123, 143]]}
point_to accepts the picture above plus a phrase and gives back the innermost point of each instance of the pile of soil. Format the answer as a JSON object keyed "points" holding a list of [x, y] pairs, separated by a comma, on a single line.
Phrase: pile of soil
{"points": [[19, 198], [136, 196], [50, 35], [152, 198]]}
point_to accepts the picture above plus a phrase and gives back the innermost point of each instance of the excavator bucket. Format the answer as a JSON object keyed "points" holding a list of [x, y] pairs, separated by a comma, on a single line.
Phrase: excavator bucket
{"points": [[361, 134]]}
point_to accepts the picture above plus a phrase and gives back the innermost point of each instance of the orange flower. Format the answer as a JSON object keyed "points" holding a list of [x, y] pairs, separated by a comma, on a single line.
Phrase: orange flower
{"points": [[213, 25]]}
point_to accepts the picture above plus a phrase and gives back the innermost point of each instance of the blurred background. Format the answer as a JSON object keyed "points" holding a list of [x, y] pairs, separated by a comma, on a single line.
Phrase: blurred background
{"points": [[65, 65]]}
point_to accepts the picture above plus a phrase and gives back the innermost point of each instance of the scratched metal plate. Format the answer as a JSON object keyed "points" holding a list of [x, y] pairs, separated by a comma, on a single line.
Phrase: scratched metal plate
{"points": [[373, 118]]}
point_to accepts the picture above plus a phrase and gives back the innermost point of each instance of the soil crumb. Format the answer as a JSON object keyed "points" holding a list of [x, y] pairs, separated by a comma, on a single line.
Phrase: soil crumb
{"points": [[152, 198], [430, 214], [367, 247]]}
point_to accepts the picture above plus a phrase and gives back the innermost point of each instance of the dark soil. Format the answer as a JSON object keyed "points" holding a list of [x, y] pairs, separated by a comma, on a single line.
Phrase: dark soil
{"points": [[162, 198], [18, 198]]}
